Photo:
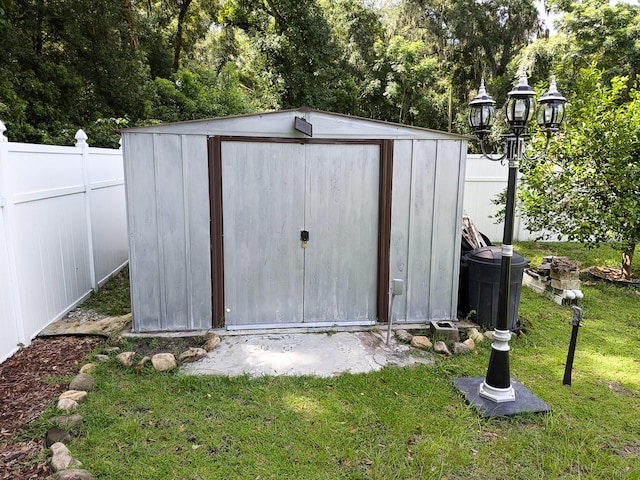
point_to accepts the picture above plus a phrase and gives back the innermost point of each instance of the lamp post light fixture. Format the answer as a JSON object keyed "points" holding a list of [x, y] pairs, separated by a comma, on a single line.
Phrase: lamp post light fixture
{"points": [[495, 395]]}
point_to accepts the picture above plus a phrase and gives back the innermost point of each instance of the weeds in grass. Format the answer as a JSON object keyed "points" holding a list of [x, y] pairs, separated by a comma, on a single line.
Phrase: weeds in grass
{"points": [[112, 298]]}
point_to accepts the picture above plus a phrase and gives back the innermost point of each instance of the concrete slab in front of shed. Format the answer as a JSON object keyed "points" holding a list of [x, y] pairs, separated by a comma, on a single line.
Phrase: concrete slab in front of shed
{"points": [[319, 354]]}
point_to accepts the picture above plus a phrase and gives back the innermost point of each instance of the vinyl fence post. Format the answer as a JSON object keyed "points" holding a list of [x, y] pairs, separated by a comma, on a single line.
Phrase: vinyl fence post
{"points": [[81, 142], [7, 204]]}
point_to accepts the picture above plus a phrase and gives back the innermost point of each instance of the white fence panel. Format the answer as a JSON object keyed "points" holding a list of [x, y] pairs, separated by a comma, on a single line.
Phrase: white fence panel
{"points": [[484, 181], [62, 232], [108, 211]]}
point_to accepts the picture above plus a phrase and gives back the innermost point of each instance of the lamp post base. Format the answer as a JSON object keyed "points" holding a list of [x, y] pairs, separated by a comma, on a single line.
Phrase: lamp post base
{"points": [[525, 401], [497, 395]]}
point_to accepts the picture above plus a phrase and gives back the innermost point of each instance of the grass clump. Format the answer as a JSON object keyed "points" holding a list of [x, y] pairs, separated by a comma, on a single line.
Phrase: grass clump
{"points": [[113, 298], [395, 423]]}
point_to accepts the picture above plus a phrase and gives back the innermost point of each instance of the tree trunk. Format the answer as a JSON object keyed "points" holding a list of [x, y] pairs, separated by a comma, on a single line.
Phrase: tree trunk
{"points": [[627, 260], [133, 37], [184, 6]]}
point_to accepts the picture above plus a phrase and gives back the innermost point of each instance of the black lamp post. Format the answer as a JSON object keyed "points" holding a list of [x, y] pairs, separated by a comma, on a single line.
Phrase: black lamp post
{"points": [[495, 394]]}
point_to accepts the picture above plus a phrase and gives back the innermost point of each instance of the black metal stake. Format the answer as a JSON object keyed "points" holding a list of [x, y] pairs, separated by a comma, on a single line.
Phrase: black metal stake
{"points": [[575, 321]]}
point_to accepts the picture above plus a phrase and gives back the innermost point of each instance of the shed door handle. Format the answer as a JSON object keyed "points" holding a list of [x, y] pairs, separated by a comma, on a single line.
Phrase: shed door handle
{"points": [[304, 235]]}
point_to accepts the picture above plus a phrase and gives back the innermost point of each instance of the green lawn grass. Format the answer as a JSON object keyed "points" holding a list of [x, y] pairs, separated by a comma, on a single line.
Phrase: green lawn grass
{"points": [[398, 423]]}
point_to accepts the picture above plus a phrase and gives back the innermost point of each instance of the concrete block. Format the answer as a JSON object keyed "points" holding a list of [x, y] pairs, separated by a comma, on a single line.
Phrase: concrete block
{"points": [[565, 284], [445, 329]]}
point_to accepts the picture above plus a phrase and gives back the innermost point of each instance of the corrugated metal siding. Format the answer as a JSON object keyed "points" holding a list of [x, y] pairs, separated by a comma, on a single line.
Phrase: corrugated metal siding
{"points": [[425, 235], [420, 230], [198, 245], [168, 198], [446, 244], [281, 124], [272, 191], [400, 221], [263, 198], [144, 257], [342, 207]]}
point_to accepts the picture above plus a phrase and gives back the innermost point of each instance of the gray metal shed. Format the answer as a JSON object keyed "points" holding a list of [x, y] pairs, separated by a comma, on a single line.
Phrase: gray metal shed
{"points": [[218, 210]]}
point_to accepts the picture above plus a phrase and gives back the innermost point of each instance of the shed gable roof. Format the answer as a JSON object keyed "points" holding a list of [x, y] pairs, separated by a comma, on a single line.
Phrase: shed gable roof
{"points": [[281, 124]]}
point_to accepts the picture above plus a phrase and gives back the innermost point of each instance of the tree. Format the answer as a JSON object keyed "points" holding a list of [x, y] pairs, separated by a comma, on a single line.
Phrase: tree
{"points": [[356, 30], [299, 50], [67, 64], [406, 83], [199, 94], [477, 38], [605, 34], [589, 190]]}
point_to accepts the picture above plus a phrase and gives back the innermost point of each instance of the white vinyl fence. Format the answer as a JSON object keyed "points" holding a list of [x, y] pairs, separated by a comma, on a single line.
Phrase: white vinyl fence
{"points": [[62, 231], [484, 181]]}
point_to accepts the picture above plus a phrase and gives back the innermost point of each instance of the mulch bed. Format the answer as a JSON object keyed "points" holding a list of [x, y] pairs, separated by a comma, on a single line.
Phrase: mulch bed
{"points": [[29, 381]]}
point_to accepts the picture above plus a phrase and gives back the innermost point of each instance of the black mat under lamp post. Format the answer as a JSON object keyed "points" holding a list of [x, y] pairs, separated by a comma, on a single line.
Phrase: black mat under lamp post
{"points": [[498, 394]]}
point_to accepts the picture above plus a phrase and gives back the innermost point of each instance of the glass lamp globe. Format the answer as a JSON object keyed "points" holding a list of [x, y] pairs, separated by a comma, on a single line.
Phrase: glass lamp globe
{"points": [[551, 108], [482, 112]]}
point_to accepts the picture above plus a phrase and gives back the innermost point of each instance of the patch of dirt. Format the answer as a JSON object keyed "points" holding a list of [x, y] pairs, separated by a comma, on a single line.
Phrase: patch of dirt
{"points": [[613, 274], [628, 451], [88, 322], [29, 381], [618, 389]]}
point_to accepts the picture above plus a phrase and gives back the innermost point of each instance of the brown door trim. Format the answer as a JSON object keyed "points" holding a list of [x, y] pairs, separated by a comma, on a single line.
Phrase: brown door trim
{"points": [[214, 146], [384, 228], [216, 213]]}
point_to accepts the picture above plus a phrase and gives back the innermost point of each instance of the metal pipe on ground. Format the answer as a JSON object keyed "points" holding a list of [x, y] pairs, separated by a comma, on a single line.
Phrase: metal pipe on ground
{"points": [[397, 288]]}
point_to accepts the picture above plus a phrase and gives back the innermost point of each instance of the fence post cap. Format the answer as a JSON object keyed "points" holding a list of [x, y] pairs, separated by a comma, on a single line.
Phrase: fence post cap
{"points": [[81, 138], [3, 128]]}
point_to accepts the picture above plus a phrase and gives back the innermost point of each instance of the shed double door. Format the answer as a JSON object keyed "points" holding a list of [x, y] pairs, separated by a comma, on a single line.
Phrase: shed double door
{"points": [[272, 192]]}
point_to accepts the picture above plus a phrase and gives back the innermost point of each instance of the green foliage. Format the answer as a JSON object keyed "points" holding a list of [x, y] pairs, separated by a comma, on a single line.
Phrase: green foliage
{"points": [[299, 50], [199, 94], [588, 190], [406, 84], [593, 33], [477, 39], [604, 33], [103, 132]]}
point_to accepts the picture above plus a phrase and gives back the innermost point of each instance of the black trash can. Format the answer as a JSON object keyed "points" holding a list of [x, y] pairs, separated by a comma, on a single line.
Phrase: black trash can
{"points": [[463, 278], [483, 276]]}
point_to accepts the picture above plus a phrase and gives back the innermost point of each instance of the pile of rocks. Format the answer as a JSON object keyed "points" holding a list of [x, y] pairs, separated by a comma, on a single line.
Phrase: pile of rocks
{"points": [[64, 465], [448, 347], [56, 439], [161, 362]]}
